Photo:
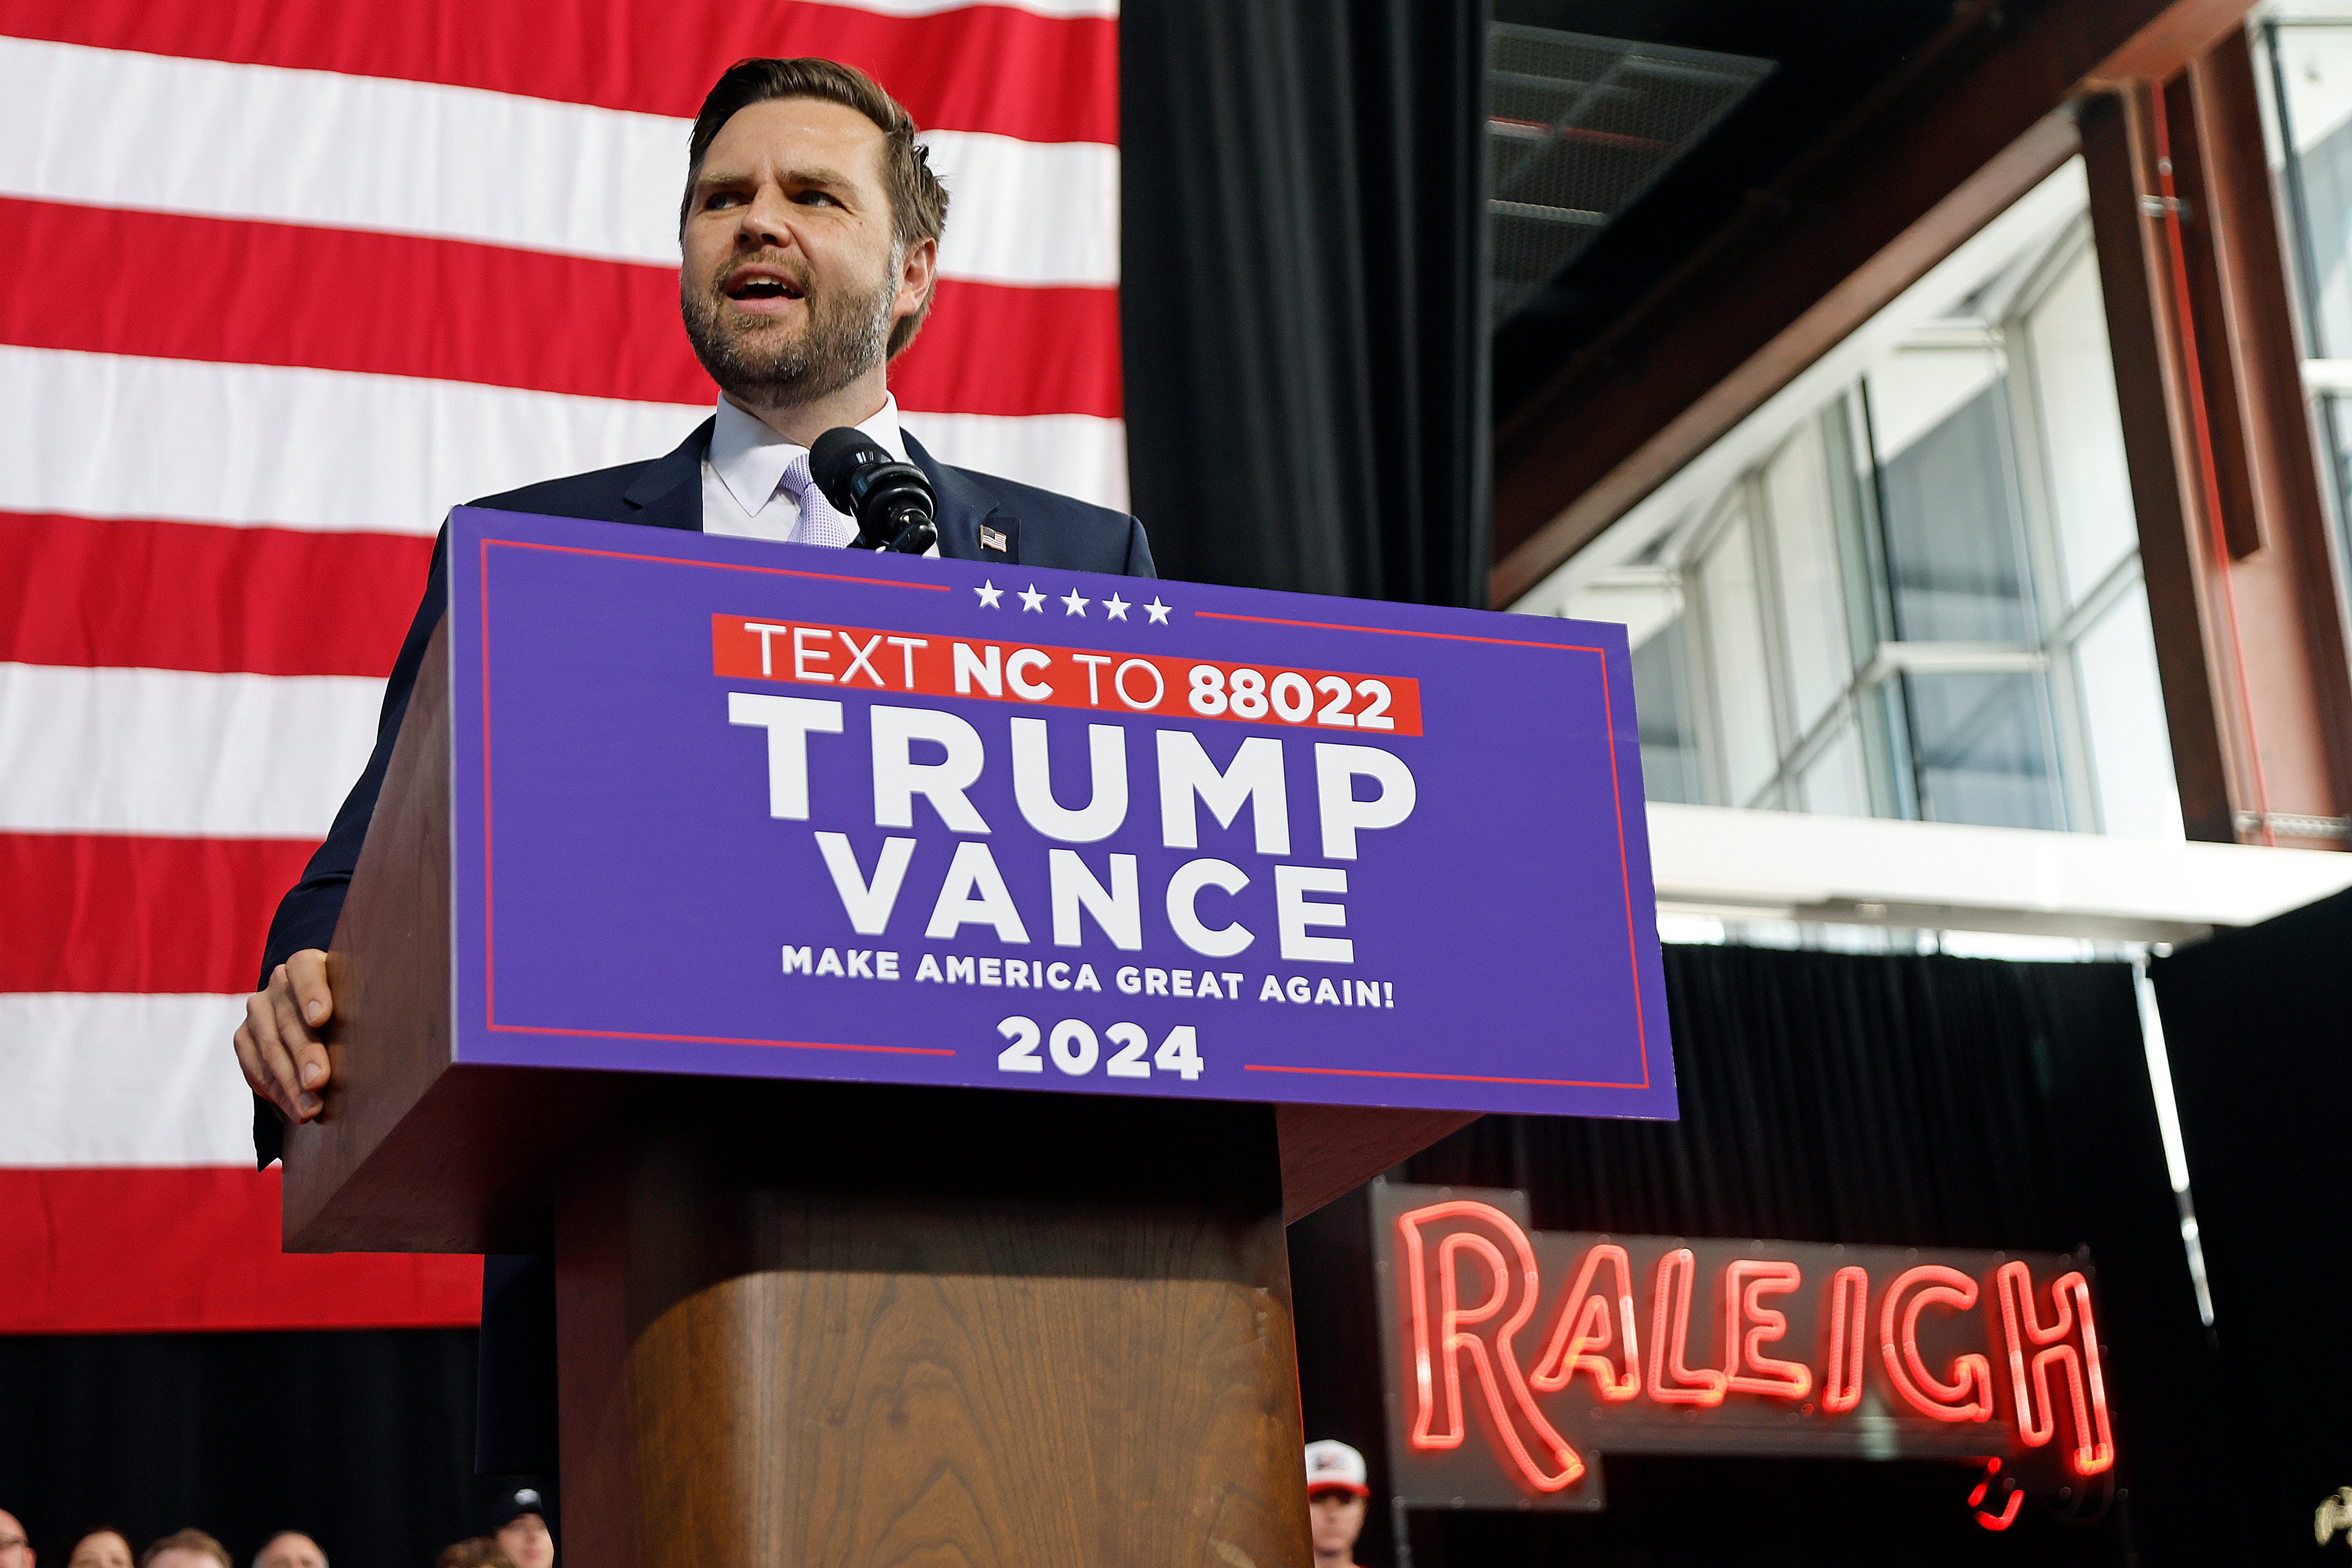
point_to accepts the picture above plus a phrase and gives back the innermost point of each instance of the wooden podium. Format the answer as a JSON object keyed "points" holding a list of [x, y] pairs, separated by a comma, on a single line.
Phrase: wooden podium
{"points": [[813, 1323]]}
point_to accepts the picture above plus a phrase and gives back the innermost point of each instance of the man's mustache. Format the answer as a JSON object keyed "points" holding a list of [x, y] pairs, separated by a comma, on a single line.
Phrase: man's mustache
{"points": [[795, 269]]}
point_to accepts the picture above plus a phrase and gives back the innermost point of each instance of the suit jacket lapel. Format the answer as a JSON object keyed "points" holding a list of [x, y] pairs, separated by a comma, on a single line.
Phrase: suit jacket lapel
{"points": [[669, 492], [963, 511]]}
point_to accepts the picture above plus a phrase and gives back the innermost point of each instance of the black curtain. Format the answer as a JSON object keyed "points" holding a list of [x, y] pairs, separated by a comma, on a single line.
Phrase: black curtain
{"points": [[1830, 1097], [1303, 290], [363, 1440], [2255, 1021]]}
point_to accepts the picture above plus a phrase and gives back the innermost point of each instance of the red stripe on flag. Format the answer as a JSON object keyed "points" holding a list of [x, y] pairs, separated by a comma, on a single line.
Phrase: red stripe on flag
{"points": [[138, 594], [979, 67], [264, 293], [989, 349], [95, 1251], [124, 913]]}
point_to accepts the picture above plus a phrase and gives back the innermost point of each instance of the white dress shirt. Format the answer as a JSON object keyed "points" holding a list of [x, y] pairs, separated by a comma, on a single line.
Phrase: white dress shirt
{"points": [[743, 492]]}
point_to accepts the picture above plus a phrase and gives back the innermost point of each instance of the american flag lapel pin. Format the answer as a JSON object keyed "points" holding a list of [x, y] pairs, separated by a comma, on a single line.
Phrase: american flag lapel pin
{"points": [[991, 540]]}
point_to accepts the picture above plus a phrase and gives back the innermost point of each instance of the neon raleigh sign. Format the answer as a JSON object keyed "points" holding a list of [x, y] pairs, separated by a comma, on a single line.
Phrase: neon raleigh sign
{"points": [[1557, 1344]]}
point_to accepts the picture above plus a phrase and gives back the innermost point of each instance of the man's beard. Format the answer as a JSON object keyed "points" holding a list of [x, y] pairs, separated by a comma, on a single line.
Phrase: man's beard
{"points": [[762, 361]]}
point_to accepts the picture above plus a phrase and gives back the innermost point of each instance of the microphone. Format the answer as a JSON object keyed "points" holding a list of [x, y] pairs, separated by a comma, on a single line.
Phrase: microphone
{"points": [[890, 500]]}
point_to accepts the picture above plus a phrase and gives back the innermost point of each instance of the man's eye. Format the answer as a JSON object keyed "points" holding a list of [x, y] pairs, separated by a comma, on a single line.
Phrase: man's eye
{"points": [[722, 199], [806, 198]]}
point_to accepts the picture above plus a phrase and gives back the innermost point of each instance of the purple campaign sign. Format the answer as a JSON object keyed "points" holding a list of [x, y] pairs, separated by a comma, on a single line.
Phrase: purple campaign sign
{"points": [[733, 808]]}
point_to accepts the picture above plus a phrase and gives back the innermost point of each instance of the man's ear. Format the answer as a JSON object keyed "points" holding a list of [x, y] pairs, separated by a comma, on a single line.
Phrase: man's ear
{"points": [[918, 274]]}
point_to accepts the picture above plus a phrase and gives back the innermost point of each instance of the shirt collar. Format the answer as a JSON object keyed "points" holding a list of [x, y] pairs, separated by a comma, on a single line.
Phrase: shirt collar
{"points": [[750, 459]]}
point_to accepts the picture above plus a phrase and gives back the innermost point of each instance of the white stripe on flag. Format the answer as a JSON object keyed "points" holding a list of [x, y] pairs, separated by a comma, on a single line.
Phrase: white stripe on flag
{"points": [[118, 436], [154, 133], [1074, 454], [122, 1080], [1027, 211], [177, 753]]}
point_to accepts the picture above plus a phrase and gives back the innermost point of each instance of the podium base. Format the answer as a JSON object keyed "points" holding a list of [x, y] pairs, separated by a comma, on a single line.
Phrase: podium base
{"points": [[811, 1324]]}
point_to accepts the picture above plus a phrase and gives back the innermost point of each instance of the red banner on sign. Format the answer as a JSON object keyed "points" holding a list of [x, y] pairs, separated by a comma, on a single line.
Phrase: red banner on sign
{"points": [[901, 663]]}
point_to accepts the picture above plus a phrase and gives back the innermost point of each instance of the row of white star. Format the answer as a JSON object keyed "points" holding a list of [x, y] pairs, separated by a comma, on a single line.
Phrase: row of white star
{"points": [[1073, 603]]}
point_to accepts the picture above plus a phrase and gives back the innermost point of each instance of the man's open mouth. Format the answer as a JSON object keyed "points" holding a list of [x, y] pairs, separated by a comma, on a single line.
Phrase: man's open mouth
{"points": [[749, 286]]}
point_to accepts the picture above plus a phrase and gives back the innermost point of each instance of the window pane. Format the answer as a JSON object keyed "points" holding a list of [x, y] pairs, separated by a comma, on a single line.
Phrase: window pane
{"points": [[2090, 488], [2339, 419], [1736, 667], [1853, 505], [1982, 753], [1954, 547], [1804, 550], [1834, 783], [1670, 760], [2319, 115], [1920, 385], [1885, 730], [2315, 121], [2123, 713]]}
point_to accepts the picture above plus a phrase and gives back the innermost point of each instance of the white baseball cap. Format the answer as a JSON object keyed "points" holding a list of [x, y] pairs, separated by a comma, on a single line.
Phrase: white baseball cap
{"points": [[1332, 1465]]}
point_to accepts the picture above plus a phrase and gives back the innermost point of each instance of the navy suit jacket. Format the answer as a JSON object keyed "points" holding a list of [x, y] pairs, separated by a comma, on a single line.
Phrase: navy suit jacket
{"points": [[1038, 528]]}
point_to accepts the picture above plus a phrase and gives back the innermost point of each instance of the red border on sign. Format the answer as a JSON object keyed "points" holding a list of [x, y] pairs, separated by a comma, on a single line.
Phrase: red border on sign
{"points": [[1445, 1076], [490, 966], [719, 1040]]}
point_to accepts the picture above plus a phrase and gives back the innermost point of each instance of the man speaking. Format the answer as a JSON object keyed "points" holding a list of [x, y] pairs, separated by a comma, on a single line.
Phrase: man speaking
{"points": [[810, 230]]}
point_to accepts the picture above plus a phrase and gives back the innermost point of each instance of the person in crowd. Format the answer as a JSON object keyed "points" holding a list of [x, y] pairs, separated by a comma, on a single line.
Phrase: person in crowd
{"points": [[101, 1546], [1336, 1486], [475, 1552], [16, 1551], [188, 1548], [287, 1549], [519, 1523]]}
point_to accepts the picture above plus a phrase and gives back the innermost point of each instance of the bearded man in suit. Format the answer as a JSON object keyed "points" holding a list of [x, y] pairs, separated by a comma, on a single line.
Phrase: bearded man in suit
{"points": [[810, 232]]}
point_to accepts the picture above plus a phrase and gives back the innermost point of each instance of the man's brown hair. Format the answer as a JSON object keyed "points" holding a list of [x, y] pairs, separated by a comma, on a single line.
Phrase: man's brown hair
{"points": [[187, 1541], [918, 202]]}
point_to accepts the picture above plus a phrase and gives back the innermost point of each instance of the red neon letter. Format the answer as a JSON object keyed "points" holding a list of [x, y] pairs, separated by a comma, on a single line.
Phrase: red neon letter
{"points": [[1443, 1332], [1582, 1329], [1672, 1382], [1898, 1340], [2037, 1413], [1849, 1320], [2008, 1515], [1748, 1324]]}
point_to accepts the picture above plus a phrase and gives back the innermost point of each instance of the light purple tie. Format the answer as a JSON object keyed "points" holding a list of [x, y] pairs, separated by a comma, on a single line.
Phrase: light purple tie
{"points": [[819, 523]]}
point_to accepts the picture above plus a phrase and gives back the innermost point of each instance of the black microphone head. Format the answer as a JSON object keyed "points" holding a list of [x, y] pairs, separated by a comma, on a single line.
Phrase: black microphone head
{"points": [[836, 460]]}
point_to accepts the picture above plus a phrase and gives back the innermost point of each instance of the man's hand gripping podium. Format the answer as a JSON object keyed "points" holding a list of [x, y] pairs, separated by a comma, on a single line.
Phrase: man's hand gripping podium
{"points": [[281, 1045]]}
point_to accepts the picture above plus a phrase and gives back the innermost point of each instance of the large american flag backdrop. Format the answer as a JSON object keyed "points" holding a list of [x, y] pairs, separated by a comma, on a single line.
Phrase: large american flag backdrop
{"points": [[285, 279]]}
